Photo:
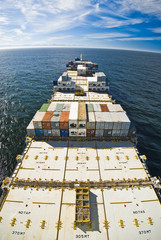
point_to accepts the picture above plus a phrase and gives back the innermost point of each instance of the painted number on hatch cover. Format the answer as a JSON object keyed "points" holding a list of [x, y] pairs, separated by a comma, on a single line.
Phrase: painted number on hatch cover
{"points": [[145, 232], [82, 236]]}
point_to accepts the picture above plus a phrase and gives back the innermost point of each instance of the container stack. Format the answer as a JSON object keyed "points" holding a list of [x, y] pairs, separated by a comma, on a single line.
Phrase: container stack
{"points": [[79, 119], [97, 83], [65, 83]]}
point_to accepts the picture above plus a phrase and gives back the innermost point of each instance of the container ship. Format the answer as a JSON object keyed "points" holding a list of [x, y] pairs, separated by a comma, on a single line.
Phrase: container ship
{"points": [[80, 175]]}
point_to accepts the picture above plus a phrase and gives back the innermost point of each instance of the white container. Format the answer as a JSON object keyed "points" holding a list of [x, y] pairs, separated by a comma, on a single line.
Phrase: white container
{"points": [[55, 120], [64, 76], [125, 120], [118, 108], [124, 132], [56, 132], [111, 107], [73, 116], [66, 107], [100, 120], [108, 120], [37, 120], [48, 133], [81, 132], [91, 122], [52, 106], [116, 133], [100, 76], [99, 133], [96, 107], [30, 129], [117, 122], [72, 132]]}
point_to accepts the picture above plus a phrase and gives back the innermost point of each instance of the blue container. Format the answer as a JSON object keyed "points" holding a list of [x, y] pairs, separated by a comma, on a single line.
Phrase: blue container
{"points": [[39, 132], [64, 132], [55, 81]]}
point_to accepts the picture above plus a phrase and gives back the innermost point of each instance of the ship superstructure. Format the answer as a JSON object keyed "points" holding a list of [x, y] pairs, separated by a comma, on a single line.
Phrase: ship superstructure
{"points": [[81, 175]]}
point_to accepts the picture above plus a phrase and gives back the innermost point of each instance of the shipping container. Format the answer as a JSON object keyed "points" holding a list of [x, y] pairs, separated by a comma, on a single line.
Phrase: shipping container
{"points": [[73, 116], [64, 119], [52, 106], [72, 132], [59, 107], [44, 107], [111, 107], [55, 120], [91, 122], [64, 132], [104, 108], [108, 120], [66, 107], [37, 120], [107, 133], [90, 132], [55, 132], [96, 107], [118, 108], [81, 132], [48, 132], [39, 132], [98, 133], [30, 129], [82, 118], [125, 120], [46, 121], [117, 122], [124, 132], [100, 120], [116, 132]]}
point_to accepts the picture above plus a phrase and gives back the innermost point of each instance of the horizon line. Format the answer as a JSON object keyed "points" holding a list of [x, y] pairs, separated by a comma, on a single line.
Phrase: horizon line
{"points": [[43, 46]]}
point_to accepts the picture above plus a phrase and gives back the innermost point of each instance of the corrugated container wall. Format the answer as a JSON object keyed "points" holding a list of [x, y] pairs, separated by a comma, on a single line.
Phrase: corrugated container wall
{"points": [[91, 122], [73, 116], [46, 121], [104, 108], [55, 120], [63, 122], [82, 115], [30, 129], [37, 120]]}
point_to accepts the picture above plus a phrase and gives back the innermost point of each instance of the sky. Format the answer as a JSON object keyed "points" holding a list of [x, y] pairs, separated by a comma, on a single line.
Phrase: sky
{"points": [[117, 24]]}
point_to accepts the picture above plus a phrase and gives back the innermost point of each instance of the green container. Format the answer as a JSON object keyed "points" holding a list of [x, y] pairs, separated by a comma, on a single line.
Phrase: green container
{"points": [[90, 107], [44, 107]]}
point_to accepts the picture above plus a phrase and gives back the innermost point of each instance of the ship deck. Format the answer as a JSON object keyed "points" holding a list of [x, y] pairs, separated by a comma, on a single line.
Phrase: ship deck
{"points": [[41, 203]]}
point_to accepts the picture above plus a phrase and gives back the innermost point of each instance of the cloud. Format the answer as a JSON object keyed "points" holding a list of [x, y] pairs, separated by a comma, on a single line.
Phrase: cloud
{"points": [[140, 39], [156, 30], [109, 22], [107, 35]]}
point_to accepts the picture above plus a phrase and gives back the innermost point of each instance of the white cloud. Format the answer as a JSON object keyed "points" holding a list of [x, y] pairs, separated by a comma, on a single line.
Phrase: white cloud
{"points": [[109, 22], [107, 35], [156, 30], [140, 39]]}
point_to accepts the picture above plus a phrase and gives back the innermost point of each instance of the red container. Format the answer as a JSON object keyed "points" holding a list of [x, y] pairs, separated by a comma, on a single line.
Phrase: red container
{"points": [[104, 108], [46, 121], [90, 132], [64, 119]]}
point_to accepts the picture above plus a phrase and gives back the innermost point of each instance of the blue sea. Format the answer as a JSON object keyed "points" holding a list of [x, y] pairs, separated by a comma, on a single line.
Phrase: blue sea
{"points": [[26, 77]]}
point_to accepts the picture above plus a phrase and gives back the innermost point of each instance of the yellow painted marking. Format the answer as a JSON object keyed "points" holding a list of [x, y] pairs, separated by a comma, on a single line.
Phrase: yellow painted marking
{"points": [[92, 169], [28, 223], [14, 201], [42, 203], [120, 202], [27, 168], [0, 219], [68, 204], [43, 224], [136, 168], [150, 200], [70, 169], [26, 157]]}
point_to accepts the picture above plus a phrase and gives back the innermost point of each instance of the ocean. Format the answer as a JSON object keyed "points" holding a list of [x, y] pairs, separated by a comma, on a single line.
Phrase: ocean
{"points": [[26, 77]]}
